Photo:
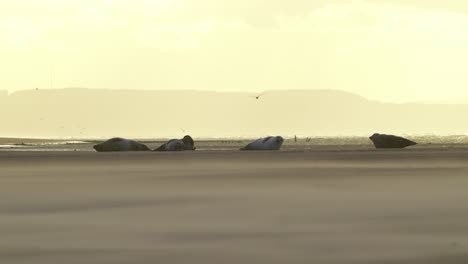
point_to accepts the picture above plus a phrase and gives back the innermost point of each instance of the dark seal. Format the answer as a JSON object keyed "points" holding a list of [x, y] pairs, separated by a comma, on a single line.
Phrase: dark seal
{"points": [[390, 141]]}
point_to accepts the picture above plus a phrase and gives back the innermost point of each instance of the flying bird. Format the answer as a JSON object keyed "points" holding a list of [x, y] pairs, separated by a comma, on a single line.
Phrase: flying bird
{"points": [[258, 96]]}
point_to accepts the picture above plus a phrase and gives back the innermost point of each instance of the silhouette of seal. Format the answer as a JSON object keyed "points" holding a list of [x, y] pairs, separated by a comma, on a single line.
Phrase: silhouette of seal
{"points": [[267, 143], [120, 144], [390, 141]]}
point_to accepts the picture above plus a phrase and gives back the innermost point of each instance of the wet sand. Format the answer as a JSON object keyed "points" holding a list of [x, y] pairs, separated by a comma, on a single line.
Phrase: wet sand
{"points": [[324, 206]]}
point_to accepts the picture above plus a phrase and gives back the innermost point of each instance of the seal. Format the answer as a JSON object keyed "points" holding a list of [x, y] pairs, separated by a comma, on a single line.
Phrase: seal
{"points": [[120, 144], [390, 141], [267, 143], [185, 143], [189, 143]]}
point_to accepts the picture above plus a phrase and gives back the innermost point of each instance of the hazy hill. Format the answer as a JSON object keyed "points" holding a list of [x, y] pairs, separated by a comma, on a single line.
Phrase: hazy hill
{"points": [[106, 113]]}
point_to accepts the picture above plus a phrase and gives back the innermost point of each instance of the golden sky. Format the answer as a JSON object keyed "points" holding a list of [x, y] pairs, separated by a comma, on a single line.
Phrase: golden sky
{"points": [[390, 50]]}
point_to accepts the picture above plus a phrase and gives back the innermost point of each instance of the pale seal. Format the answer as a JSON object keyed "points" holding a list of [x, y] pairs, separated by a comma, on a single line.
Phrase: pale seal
{"points": [[268, 143]]}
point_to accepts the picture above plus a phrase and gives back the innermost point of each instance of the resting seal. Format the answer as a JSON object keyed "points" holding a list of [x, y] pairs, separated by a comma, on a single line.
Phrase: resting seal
{"points": [[185, 143], [390, 141], [120, 144], [268, 143]]}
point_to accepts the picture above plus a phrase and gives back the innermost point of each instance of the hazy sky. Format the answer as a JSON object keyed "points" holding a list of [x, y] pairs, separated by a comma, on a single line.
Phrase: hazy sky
{"points": [[391, 50]]}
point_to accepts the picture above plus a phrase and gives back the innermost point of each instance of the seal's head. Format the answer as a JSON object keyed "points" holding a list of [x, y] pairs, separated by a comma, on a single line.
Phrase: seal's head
{"points": [[279, 140], [109, 145], [189, 143], [374, 136], [98, 147]]}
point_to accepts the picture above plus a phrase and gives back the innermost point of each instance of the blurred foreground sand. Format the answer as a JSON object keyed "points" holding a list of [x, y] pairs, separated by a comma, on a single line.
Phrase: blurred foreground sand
{"points": [[354, 206]]}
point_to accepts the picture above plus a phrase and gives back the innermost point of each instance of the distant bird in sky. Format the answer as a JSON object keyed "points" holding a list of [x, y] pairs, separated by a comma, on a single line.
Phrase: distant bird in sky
{"points": [[183, 130], [258, 96]]}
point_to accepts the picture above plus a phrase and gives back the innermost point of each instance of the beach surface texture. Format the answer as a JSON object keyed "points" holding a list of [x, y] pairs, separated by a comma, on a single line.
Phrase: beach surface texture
{"points": [[328, 205]]}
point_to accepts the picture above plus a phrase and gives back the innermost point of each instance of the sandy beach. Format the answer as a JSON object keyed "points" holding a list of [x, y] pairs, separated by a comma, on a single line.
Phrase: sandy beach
{"points": [[325, 206]]}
